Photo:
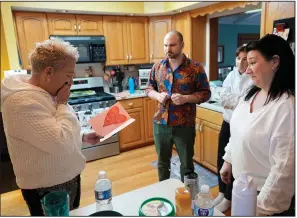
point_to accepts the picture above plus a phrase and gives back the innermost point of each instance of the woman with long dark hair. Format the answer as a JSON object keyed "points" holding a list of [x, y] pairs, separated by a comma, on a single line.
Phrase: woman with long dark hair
{"points": [[262, 142]]}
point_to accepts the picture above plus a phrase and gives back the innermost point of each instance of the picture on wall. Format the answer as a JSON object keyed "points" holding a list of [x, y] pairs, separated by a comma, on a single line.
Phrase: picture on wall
{"points": [[220, 54]]}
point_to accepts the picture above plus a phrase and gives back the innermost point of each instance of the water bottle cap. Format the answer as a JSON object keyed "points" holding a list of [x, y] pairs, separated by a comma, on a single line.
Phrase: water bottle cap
{"points": [[204, 188], [102, 173]]}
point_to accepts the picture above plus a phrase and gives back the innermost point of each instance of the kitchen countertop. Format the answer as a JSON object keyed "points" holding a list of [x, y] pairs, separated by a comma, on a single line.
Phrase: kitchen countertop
{"points": [[141, 93], [214, 107], [126, 95]]}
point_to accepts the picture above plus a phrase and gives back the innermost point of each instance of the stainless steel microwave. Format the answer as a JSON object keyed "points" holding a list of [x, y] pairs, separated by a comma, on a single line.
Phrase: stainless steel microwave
{"points": [[91, 48]]}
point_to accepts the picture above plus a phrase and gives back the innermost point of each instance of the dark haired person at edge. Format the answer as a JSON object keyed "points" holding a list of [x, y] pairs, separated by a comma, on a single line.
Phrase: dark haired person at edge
{"points": [[235, 86], [178, 84], [262, 142]]}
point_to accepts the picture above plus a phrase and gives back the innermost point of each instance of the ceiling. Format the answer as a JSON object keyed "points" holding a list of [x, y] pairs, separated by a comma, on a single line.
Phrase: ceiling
{"points": [[242, 19]]}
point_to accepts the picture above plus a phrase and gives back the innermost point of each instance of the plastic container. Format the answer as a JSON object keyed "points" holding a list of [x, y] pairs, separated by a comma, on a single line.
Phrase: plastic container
{"points": [[191, 181], [156, 207], [131, 85], [103, 193], [203, 204], [183, 202], [244, 196]]}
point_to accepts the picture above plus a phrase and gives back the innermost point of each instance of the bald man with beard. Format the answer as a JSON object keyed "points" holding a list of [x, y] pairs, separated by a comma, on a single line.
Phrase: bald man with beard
{"points": [[178, 84]]}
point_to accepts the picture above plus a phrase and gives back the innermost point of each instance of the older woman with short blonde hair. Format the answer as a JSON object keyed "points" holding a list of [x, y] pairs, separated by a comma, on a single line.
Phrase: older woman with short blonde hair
{"points": [[42, 131]]}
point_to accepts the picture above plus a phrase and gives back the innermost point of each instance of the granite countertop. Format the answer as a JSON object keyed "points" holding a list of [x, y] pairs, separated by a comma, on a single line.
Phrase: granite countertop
{"points": [[141, 93], [126, 95], [214, 106]]}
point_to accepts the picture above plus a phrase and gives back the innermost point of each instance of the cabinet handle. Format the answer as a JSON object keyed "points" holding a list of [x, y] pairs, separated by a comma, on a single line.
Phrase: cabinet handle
{"points": [[130, 104], [78, 28], [152, 55], [75, 27], [130, 57], [197, 127], [127, 56], [201, 127]]}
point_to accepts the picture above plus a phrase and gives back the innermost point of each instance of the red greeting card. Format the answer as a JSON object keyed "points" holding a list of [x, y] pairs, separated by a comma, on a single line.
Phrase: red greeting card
{"points": [[111, 121]]}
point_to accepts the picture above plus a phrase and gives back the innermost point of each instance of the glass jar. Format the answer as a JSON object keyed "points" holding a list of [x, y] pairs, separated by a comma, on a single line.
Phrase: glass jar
{"points": [[183, 202]]}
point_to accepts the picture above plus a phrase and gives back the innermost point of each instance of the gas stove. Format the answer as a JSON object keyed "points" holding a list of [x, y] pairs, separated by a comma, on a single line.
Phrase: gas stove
{"points": [[88, 99]]}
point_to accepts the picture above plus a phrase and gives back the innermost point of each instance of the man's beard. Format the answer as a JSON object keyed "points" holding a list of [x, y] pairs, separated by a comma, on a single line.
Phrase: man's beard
{"points": [[172, 55]]}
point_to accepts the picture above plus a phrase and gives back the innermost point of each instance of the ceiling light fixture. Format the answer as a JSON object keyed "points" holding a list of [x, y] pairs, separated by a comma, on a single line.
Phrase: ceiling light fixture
{"points": [[180, 10], [131, 14]]}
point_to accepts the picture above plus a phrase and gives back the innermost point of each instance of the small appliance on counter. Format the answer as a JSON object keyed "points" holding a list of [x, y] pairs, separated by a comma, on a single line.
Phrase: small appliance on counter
{"points": [[88, 99], [116, 80], [144, 75]]}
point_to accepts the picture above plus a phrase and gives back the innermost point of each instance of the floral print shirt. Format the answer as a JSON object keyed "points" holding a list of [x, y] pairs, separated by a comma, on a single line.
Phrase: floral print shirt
{"points": [[187, 79]]}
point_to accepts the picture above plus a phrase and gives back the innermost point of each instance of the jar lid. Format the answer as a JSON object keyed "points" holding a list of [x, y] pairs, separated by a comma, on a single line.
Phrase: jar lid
{"points": [[156, 207]]}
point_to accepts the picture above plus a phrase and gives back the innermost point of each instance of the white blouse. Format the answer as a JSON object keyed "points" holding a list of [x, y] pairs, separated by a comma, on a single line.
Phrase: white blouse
{"points": [[262, 144], [235, 86]]}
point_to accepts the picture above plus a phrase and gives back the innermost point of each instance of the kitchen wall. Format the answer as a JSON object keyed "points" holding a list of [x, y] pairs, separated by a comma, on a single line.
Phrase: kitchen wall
{"points": [[4, 56], [228, 34]]}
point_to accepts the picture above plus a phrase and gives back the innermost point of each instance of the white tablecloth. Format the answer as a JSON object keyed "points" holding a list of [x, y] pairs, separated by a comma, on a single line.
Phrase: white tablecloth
{"points": [[128, 203]]}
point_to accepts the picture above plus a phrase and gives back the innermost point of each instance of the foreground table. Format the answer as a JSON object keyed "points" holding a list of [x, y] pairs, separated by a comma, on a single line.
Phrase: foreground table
{"points": [[128, 203]]}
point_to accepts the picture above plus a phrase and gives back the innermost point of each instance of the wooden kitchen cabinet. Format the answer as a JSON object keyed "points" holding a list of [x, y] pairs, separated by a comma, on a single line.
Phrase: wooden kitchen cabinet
{"points": [[126, 40], [182, 23], [158, 28], [137, 35], [62, 24], [133, 134], [115, 31], [30, 28], [149, 112], [208, 126], [89, 25], [209, 144], [194, 34], [70, 24]]}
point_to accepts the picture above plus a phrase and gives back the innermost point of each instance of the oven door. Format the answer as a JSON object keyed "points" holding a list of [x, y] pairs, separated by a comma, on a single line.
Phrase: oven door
{"points": [[112, 139]]}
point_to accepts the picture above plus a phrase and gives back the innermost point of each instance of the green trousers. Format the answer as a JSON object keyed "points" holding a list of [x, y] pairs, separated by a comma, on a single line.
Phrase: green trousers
{"points": [[184, 139]]}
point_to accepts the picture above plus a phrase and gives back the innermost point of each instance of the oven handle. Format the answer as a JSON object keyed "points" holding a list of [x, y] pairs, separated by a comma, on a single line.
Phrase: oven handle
{"points": [[91, 52]]}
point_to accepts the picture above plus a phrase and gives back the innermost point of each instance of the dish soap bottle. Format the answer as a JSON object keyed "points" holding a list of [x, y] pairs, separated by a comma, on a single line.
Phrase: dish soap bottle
{"points": [[131, 85], [244, 196]]}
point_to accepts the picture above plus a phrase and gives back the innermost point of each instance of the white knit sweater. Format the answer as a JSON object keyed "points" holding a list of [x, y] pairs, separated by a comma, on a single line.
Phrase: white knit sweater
{"points": [[44, 140]]}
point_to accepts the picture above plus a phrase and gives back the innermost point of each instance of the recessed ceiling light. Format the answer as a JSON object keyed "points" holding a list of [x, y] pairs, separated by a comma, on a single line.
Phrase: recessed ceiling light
{"points": [[131, 14], [180, 10]]}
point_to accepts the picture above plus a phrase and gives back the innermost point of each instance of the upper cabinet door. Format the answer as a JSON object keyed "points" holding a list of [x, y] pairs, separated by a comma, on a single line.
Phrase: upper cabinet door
{"points": [[159, 27], [89, 25], [62, 24], [115, 32], [31, 28], [137, 29], [182, 23]]}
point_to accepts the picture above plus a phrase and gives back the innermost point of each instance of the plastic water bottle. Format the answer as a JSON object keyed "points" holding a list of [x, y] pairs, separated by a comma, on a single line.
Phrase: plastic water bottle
{"points": [[203, 204], [131, 85], [103, 194], [244, 196]]}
